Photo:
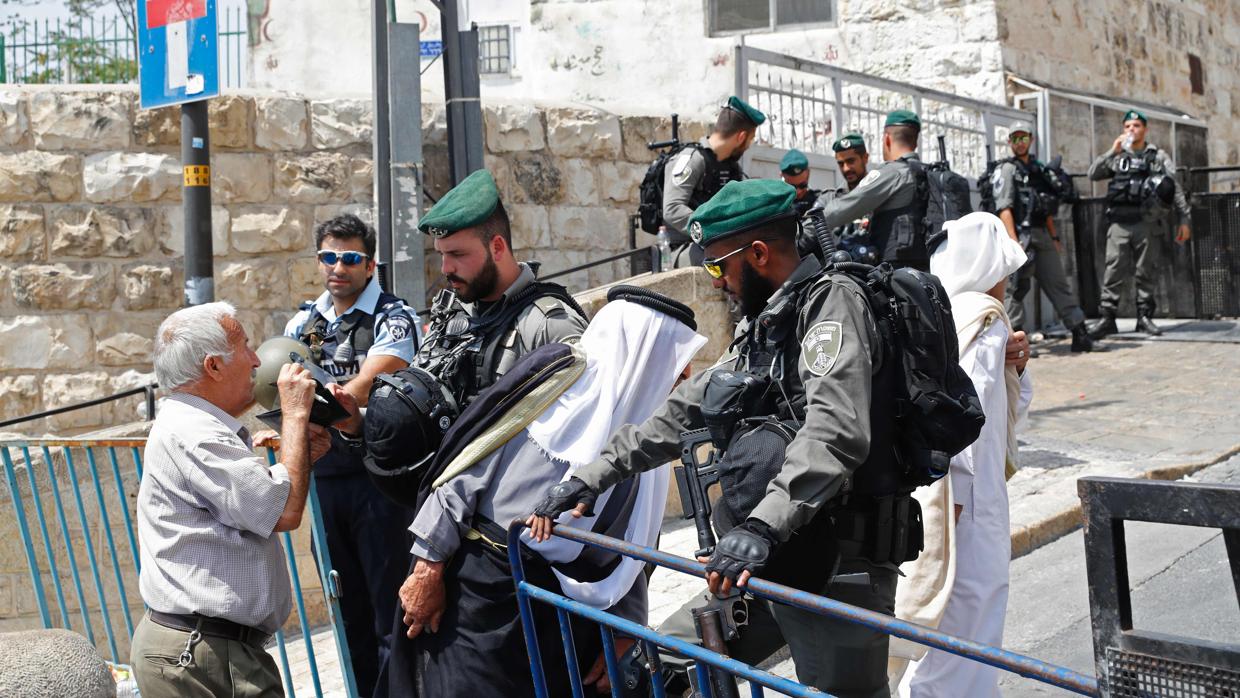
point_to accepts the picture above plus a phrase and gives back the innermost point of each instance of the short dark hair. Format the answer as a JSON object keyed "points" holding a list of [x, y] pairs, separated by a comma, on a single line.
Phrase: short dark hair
{"points": [[731, 121], [779, 235], [346, 226], [904, 134], [496, 224]]}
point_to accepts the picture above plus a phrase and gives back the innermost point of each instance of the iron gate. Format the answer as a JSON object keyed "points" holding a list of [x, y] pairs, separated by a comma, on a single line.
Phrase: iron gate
{"points": [[1198, 280]]}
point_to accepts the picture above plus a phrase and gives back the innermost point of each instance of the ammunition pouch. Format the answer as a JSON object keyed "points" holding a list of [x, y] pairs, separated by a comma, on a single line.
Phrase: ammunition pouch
{"points": [[886, 529], [729, 397]]}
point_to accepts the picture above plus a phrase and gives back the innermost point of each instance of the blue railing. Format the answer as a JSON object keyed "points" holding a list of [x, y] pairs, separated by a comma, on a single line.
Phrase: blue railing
{"points": [[758, 679], [100, 508]]}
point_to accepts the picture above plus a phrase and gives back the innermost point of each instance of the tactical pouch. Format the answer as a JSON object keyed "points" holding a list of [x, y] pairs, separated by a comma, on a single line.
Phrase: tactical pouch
{"points": [[729, 396], [880, 529]]}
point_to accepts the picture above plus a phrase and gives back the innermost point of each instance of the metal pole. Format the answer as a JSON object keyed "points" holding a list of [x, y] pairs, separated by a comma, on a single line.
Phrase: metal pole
{"points": [[382, 146], [462, 93], [407, 268], [196, 202]]}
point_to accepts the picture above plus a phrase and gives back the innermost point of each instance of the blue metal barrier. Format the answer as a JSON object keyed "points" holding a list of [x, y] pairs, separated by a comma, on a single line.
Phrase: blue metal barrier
{"points": [[526, 592], [112, 594]]}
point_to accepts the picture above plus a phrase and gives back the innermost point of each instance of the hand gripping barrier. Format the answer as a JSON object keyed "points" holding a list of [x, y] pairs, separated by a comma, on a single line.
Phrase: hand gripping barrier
{"points": [[758, 679]]}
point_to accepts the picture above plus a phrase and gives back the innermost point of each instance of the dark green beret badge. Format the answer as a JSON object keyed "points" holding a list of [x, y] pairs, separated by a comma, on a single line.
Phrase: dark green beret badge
{"points": [[848, 142], [741, 206]]}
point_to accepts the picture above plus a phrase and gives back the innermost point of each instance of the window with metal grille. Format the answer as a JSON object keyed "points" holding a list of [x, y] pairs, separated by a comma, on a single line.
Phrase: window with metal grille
{"points": [[495, 49], [735, 16]]}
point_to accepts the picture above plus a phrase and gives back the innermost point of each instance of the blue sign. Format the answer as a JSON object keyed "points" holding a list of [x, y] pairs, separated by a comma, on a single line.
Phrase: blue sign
{"points": [[430, 49], [178, 51]]}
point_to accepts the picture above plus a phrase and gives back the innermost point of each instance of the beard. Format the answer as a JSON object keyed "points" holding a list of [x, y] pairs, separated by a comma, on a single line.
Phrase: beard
{"points": [[755, 291], [482, 285]]}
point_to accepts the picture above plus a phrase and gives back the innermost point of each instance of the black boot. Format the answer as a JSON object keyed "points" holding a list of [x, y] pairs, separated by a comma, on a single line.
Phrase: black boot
{"points": [[1104, 326], [1081, 341], [1146, 324]]}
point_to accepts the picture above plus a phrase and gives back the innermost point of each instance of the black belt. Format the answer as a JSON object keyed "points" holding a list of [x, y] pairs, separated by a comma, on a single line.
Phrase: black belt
{"points": [[215, 627]]}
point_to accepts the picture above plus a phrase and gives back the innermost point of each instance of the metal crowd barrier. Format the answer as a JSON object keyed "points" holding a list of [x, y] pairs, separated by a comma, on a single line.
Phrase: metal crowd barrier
{"points": [[759, 679], [52, 466]]}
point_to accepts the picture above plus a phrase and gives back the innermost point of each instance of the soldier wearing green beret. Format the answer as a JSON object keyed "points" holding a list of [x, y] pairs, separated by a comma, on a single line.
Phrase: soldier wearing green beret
{"points": [[815, 331], [474, 241], [1142, 193], [794, 170], [1022, 186], [700, 170], [888, 194]]}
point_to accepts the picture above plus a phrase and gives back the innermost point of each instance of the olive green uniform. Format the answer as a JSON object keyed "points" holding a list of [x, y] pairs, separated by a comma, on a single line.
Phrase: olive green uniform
{"points": [[834, 440], [1133, 248], [1044, 263], [891, 186]]}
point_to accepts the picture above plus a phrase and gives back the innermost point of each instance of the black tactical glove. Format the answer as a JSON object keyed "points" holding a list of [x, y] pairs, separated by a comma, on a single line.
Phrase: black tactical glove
{"points": [[746, 547], [567, 495]]}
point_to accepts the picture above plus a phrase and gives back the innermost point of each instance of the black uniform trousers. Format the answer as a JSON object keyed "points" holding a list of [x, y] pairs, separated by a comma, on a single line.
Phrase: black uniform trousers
{"points": [[369, 541]]}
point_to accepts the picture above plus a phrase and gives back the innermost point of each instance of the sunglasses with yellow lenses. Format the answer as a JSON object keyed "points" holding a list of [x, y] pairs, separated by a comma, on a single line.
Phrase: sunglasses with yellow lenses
{"points": [[714, 267], [1022, 138]]}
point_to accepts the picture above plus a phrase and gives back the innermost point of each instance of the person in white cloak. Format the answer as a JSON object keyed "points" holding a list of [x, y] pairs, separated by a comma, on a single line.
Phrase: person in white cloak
{"points": [[634, 357], [960, 581]]}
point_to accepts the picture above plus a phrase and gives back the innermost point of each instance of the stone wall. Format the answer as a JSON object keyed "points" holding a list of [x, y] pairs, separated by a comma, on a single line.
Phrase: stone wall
{"points": [[1130, 50], [91, 227]]}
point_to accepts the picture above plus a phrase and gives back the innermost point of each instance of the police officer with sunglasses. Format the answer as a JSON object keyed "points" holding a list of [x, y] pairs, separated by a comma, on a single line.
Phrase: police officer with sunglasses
{"points": [[355, 332]]}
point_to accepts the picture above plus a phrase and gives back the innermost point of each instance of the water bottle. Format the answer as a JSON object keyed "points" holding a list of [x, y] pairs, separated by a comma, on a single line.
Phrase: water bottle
{"points": [[1127, 144], [665, 249]]}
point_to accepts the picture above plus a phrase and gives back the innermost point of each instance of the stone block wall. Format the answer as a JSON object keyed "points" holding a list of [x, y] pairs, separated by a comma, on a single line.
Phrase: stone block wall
{"points": [[91, 227]]}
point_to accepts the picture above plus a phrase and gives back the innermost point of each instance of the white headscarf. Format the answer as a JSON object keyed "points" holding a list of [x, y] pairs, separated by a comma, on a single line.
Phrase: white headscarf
{"points": [[633, 356], [977, 254]]}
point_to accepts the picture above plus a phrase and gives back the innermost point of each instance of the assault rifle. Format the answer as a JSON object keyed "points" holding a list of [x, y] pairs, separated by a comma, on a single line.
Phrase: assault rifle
{"points": [[718, 620], [674, 143]]}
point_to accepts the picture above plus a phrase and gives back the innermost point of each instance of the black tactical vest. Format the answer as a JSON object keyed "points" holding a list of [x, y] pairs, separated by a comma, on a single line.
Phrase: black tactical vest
{"points": [[1033, 193], [1124, 191], [716, 175], [900, 233], [356, 333], [771, 349], [464, 351]]}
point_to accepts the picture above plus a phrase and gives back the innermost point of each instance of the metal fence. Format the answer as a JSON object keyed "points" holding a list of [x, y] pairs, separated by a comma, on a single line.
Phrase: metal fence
{"points": [[708, 661], [101, 50], [809, 105], [83, 559]]}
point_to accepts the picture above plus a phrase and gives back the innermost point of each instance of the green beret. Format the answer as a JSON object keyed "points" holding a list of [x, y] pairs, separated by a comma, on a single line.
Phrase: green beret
{"points": [[793, 163], [848, 142], [740, 206], [1134, 114], [466, 205], [737, 104], [902, 117]]}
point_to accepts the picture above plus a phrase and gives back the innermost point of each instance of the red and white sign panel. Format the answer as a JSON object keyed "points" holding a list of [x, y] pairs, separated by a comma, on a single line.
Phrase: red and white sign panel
{"points": [[161, 13]]}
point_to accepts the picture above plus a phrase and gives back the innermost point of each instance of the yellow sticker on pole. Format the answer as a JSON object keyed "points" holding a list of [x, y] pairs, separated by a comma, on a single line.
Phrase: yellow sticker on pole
{"points": [[197, 175]]}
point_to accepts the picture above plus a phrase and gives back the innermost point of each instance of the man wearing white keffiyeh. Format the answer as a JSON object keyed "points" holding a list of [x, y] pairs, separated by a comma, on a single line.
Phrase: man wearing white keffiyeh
{"points": [[960, 581]]}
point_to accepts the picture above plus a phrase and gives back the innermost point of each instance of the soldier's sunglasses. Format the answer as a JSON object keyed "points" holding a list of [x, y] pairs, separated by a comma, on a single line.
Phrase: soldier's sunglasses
{"points": [[1023, 138], [714, 267], [350, 259]]}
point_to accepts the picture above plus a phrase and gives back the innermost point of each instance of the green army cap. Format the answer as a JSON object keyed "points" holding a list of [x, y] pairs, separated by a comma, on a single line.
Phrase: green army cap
{"points": [[466, 205], [793, 163], [737, 104], [902, 117], [849, 141], [740, 206], [1134, 114]]}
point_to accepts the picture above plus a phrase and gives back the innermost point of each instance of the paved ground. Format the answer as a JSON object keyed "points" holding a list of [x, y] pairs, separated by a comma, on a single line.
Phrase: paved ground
{"points": [[1180, 584]]}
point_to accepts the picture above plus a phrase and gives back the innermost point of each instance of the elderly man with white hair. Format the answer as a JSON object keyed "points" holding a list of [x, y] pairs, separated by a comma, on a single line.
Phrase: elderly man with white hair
{"points": [[213, 572], [960, 581]]}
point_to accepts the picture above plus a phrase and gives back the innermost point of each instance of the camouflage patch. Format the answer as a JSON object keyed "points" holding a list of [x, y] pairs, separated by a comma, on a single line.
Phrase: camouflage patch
{"points": [[821, 347]]}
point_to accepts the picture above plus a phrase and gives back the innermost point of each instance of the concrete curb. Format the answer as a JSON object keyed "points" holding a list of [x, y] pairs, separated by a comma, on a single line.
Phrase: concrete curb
{"points": [[1060, 523]]}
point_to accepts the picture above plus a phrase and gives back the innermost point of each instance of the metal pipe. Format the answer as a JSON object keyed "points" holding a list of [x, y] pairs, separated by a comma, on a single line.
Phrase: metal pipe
{"points": [[64, 531], [90, 555], [47, 546], [1003, 659], [35, 578], [88, 403], [382, 143], [107, 535], [196, 203]]}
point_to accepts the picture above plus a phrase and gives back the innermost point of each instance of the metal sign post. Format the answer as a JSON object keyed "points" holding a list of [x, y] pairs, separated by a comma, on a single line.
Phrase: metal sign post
{"points": [[178, 63]]}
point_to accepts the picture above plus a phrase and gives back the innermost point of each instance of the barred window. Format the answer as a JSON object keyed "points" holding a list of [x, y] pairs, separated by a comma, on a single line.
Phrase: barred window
{"points": [[495, 49], [735, 16]]}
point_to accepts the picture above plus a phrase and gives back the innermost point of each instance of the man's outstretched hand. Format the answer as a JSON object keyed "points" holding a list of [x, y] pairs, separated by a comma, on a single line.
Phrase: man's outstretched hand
{"points": [[571, 494]]}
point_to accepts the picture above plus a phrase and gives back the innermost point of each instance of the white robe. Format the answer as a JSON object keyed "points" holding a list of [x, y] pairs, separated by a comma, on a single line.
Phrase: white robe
{"points": [[977, 603]]}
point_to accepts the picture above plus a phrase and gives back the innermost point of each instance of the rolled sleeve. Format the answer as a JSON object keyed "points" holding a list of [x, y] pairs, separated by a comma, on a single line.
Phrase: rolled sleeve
{"points": [[237, 487]]}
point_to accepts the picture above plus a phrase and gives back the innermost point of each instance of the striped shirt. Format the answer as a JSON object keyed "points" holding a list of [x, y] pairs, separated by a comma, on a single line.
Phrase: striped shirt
{"points": [[207, 510]]}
